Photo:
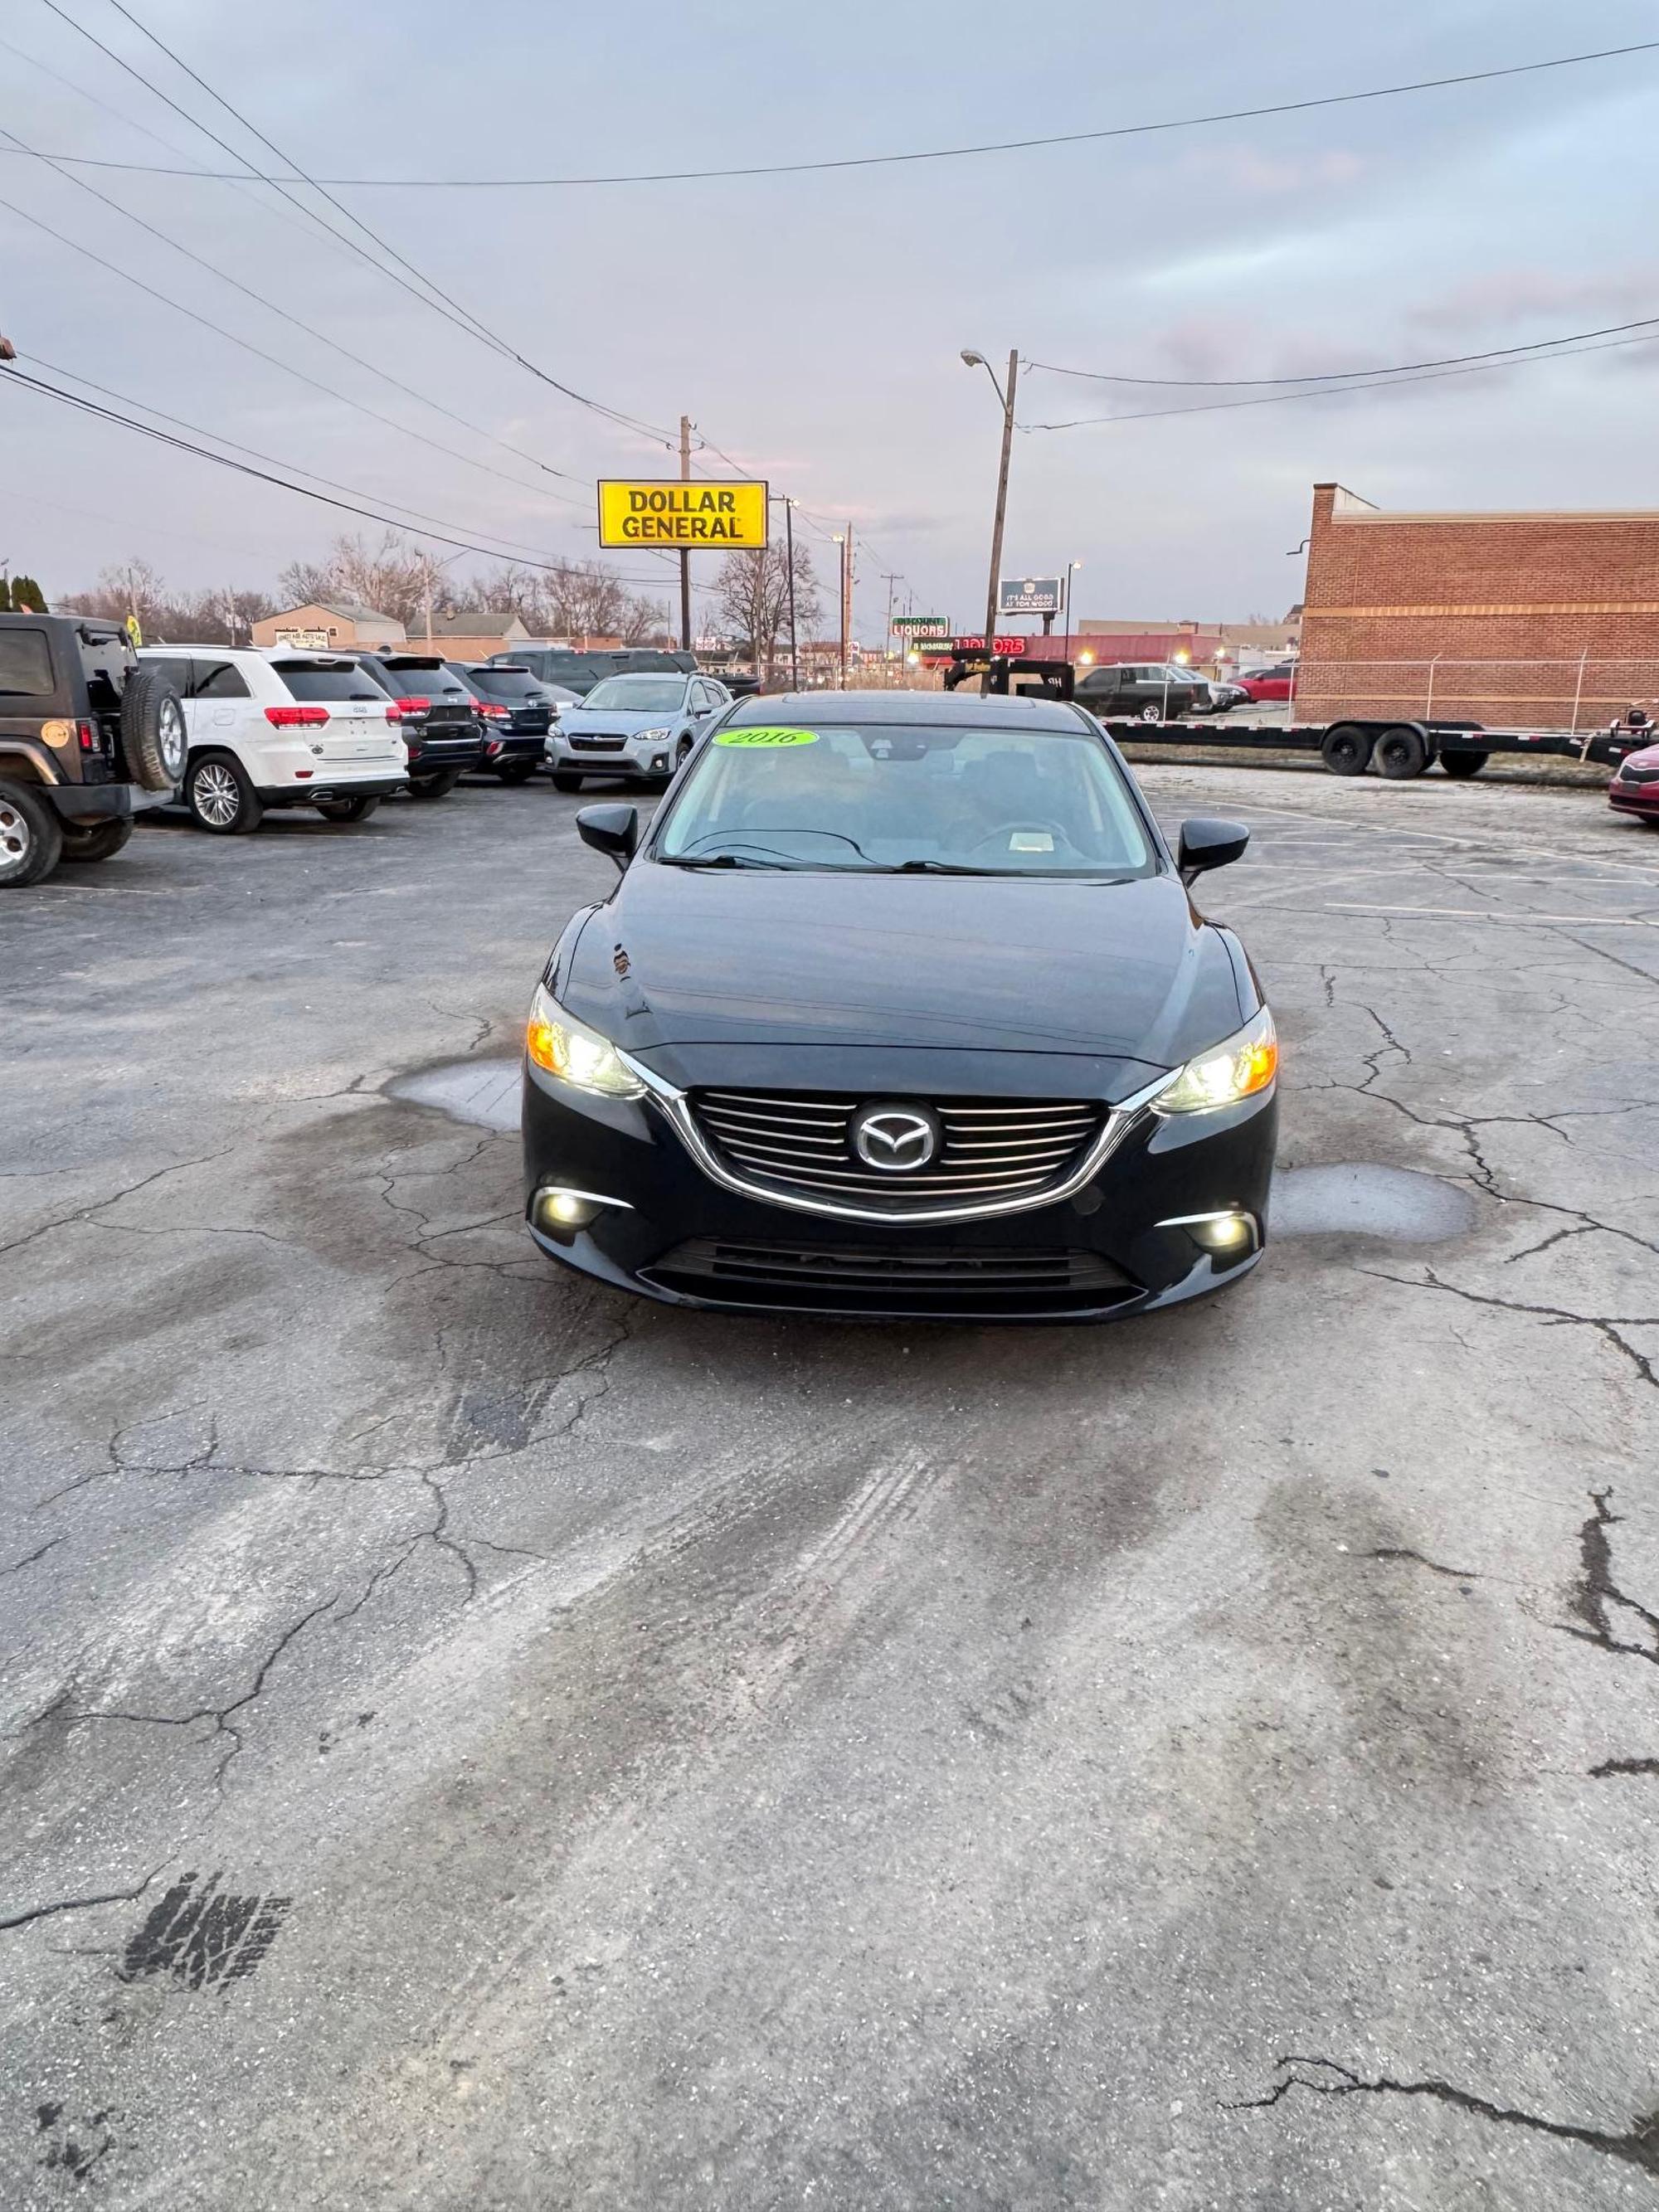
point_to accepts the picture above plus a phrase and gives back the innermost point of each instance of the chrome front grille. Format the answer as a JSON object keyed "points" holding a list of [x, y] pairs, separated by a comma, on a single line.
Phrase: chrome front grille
{"points": [[993, 1148]]}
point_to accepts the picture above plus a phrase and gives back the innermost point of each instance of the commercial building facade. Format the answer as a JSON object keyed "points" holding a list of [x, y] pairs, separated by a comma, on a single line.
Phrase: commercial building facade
{"points": [[1548, 620], [316, 627]]}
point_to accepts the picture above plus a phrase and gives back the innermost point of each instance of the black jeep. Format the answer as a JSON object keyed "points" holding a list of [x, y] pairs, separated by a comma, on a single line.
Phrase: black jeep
{"points": [[89, 738]]}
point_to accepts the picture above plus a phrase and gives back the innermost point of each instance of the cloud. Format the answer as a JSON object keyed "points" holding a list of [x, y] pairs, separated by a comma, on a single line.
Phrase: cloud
{"points": [[1502, 299], [1248, 170]]}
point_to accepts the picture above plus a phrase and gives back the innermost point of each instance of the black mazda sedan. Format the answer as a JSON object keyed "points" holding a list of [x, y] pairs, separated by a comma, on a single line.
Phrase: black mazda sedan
{"points": [[902, 1009]]}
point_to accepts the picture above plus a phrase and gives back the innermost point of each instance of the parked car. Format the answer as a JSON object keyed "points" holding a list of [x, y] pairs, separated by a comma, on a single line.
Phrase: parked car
{"points": [[639, 727], [278, 728], [1269, 683], [902, 1008], [89, 738], [1137, 691], [437, 714], [1635, 786], [517, 712], [580, 671], [1216, 695]]}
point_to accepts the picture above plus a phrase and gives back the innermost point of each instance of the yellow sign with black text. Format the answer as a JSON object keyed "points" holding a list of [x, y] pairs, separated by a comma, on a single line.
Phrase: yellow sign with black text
{"points": [[712, 517]]}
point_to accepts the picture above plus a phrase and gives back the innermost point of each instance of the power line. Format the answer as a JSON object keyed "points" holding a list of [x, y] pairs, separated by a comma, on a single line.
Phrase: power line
{"points": [[921, 153], [1334, 390], [275, 360], [432, 295], [297, 468], [1341, 375], [322, 336], [14, 375]]}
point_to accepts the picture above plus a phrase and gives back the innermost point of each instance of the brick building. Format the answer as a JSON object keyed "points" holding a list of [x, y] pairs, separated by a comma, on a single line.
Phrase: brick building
{"points": [[1547, 619]]}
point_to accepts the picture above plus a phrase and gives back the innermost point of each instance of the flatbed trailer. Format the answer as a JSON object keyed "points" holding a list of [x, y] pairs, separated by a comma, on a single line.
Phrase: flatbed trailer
{"points": [[1396, 748]]}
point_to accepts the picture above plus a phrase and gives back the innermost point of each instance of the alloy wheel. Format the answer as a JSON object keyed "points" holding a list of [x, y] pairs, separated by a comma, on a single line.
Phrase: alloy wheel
{"points": [[170, 738], [16, 842], [216, 794]]}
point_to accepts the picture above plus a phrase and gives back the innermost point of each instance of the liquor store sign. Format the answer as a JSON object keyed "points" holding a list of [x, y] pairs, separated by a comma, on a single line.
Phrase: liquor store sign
{"points": [[717, 517]]}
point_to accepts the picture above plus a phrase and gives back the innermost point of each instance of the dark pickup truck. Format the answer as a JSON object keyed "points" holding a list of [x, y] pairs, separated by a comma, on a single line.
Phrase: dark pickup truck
{"points": [[89, 738]]}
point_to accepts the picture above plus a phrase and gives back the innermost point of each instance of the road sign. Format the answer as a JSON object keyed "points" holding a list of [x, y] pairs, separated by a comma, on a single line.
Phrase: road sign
{"points": [[1031, 595], [955, 649], [934, 625], [710, 517]]}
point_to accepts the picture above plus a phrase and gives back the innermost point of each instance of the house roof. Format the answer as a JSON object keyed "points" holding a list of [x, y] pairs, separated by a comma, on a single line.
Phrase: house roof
{"points": [[345, 610], [470, 625]]}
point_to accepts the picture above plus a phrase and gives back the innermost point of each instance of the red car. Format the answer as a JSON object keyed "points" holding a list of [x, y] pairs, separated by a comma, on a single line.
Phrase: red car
{"points": [[1269, 683], [1635, 786]]}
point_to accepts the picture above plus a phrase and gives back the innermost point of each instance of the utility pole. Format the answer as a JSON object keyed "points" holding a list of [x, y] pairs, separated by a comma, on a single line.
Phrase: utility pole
{"points": [[686, 558], [890, 577], [996, 526], [789, 554], [845, 545]]}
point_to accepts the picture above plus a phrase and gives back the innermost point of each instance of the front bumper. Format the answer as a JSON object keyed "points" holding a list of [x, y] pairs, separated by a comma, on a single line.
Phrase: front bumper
{"points": [[1124, 1242], [637, 762], [1635, 798]]}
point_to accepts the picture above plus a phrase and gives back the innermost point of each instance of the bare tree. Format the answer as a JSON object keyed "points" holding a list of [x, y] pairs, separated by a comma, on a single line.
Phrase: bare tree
{"points": [[752, 599], [389, 577]]}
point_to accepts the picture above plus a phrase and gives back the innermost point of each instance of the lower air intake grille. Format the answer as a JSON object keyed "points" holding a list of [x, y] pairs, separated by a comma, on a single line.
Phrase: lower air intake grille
{"points": [[893, 1278]]}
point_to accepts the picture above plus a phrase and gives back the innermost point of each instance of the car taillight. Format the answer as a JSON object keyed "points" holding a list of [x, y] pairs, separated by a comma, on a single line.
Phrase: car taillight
{"points": [[88, 737], [288, 718], [415, 707], [496, 714]]}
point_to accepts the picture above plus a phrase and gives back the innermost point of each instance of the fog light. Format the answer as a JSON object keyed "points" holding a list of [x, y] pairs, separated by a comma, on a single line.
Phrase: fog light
{"points": [[1225, 1235], [659, 764], [558, 1210]]}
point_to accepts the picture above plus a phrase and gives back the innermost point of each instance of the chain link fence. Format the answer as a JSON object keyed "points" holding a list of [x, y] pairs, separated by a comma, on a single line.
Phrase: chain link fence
{"points": [[1582, 694]]}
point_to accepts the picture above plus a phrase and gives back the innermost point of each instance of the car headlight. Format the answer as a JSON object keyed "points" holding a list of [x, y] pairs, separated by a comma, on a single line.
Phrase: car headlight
{"points": [[566, 1047], [1239, 1067], [651, 737]]}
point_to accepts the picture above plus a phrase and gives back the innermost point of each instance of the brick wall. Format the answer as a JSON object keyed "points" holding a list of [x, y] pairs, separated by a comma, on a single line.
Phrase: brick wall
{"points": [[1478, 617]]}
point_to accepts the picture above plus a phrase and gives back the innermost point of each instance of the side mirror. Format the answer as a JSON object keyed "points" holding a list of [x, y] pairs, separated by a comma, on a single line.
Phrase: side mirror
{"points": [[1204, 843], [613, 830]]}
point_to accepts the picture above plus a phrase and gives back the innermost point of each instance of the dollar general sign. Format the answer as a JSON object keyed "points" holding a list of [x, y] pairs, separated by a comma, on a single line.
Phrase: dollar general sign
{"points": [[718, 516]]}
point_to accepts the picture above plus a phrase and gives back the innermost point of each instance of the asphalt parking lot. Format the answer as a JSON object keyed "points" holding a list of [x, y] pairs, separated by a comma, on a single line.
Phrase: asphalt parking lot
{"points": [[474, 1741]]}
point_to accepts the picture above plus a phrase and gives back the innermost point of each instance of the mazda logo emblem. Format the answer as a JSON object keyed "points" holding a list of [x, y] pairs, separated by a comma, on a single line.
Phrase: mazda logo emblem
{"points": [[897, 1139]]}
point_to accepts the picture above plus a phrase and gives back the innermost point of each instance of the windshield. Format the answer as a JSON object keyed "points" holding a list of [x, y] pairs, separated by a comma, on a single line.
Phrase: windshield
{"points": [[638, 695], [308, 679], [997, 801], [505, 683]]}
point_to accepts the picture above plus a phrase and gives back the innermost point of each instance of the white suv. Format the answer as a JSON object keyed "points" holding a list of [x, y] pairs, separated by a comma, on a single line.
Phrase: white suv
{"points": [[281, 728]]}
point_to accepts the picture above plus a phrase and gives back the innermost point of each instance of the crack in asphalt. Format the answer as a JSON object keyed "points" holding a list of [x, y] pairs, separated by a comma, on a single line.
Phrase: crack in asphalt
{"points": [[1607, 1325], [29, 1558], [1418, 1559], [1597, 1591], [1625, 1766], [1637, 2145], [82, 1213], [224, 1718], [33, 1913]]}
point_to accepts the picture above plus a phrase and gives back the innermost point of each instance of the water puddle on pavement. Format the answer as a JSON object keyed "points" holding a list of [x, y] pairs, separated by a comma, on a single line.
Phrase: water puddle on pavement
{"points": [[484, 1091], [1357, 1199], [1351, 1200]]}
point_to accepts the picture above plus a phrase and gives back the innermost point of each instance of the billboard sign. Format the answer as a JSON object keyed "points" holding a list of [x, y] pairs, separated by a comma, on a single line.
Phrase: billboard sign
{"points": [[718, 518], [1030, 595], [933, 625]]}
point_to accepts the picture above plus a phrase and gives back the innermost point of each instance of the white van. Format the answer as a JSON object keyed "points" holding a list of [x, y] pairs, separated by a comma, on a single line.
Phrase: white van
{"points": [[281, 728]]}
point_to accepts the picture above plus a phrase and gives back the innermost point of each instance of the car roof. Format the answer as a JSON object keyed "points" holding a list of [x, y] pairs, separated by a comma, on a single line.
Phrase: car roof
{"points": [[960, 709]]}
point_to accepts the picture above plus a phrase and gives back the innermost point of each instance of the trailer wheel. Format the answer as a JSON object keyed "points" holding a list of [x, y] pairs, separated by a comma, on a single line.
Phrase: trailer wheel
{"points": [[1464, 765], [1400, 753], [1347, 749]]}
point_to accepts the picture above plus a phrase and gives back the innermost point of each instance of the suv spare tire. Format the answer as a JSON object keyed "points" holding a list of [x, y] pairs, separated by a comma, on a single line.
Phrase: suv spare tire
{"points": [[153, 730]]}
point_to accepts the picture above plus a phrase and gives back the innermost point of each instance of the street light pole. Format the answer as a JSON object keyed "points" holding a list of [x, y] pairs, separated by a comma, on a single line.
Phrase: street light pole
{"points": [[978, 360], [789, 545], [1071, 566], [686, 558]]}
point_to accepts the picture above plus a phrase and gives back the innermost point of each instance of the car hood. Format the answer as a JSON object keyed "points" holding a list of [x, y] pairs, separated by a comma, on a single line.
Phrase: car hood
{"points": [[1644, 756], [1124, 973], [616, 718]]}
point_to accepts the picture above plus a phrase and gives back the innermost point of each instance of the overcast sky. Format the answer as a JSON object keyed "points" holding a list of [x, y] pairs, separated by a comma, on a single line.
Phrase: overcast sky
{"points": [[811, 326]]}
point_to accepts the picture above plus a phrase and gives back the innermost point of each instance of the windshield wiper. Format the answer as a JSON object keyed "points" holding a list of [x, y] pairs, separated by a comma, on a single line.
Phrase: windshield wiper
{"points": [[726, 860], [946, 868]]}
